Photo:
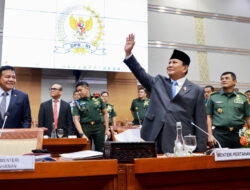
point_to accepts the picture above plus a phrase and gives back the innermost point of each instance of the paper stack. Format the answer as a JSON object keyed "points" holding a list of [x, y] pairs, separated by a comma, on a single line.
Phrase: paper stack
{"points": [[85, 154], [130, 135]]}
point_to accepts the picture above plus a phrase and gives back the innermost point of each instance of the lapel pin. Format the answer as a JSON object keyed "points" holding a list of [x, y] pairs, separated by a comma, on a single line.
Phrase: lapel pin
{"points": [[184, 88]]}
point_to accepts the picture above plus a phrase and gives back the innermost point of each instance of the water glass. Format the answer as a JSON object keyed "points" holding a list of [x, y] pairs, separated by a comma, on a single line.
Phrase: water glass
{"points": [[60, 133], [190, 143]]}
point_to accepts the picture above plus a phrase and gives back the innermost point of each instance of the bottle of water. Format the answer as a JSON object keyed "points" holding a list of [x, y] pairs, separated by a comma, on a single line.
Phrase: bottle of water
{"points": [[127, 122], [179, 149], [53, 132]]}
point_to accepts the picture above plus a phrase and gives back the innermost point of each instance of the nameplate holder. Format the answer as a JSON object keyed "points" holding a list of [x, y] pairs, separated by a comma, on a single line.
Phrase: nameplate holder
{"points": [[17, 163], [72, 136], [232, 154], [125, 152]]}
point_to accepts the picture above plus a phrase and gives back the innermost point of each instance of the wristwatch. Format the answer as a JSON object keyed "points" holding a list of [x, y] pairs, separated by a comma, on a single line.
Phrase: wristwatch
{"points": [[81, 134]]}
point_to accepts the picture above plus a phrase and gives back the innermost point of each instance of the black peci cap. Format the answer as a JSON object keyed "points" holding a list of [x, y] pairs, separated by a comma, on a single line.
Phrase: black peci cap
{"points": [[177, 54]]}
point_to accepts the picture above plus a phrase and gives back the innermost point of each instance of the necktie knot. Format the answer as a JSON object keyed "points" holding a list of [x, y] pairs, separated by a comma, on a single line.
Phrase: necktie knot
{"points": [[175, 83], [5, 94], [55, 101]]}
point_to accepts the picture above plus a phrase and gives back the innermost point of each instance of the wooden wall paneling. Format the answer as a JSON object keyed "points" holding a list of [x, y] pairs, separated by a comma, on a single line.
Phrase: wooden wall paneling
{"points": [[122, 88], [29, 81]]}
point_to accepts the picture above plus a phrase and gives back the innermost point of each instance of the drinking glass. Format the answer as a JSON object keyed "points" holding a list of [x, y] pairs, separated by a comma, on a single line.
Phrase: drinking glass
{"points": [[60, 133], [190, 143]]}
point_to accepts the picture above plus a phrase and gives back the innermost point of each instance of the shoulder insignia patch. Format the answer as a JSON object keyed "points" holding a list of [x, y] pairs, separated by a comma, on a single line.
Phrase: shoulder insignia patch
{"points": [[215, 92], [241, 94]]}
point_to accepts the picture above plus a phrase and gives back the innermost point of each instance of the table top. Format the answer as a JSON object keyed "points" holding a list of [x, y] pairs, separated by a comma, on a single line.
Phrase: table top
{"points": [[65, 141], [65, 168], [150, 165]]}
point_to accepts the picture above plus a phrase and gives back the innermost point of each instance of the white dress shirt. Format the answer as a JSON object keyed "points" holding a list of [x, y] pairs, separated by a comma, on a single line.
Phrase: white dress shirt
{"points": [[179, 85]]}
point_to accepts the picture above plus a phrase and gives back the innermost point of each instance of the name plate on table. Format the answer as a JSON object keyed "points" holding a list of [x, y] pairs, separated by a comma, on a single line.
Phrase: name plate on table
{"points": [[17, 163], [126, 151], [232, 154]]}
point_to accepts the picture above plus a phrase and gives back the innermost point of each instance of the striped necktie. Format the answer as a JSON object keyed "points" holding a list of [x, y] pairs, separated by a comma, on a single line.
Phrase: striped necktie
{"points": [[3, 104], [55, 113]]}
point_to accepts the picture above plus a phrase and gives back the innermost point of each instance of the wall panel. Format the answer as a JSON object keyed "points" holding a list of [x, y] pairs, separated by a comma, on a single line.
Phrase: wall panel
{"points": [[224, 27], [123, 89], [29, 81]]}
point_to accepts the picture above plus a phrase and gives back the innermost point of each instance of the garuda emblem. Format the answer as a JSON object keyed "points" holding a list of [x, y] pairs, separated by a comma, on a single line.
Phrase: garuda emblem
{"points": [[81, 26]]}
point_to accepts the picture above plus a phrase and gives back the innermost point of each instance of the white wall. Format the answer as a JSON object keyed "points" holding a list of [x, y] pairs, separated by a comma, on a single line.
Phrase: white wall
{"points": [[221, 33], [97, 82], [1, 24], [181, 29], [234, 7]]}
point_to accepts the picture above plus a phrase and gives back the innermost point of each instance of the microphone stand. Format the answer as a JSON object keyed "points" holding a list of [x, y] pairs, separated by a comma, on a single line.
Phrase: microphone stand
{"points": [[139, 119], [207, 134], [6, 115]]}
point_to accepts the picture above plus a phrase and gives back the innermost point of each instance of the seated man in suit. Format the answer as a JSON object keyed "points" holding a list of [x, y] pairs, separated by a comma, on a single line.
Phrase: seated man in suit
{"points": [[55, 111], [172, 99], [13, 101]]}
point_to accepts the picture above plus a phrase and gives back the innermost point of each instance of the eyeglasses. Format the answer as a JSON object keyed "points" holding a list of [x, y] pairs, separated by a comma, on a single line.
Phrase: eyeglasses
{"points": [[50, 89]]}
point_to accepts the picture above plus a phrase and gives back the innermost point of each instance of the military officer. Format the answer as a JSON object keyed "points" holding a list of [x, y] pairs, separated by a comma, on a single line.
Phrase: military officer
{"points": [[207, 91], [72, 103], [88, 112], [227, 110], [139, 106], [109, 108], [247, 93]]}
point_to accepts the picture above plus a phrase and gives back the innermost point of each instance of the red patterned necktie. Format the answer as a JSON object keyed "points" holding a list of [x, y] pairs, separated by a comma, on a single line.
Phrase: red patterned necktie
{"points": [[55, 113]]}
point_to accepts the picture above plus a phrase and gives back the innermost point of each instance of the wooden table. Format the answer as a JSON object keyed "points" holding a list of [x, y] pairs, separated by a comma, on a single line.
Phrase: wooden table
{"points": [[64, 175], [65, 145], [196, 173], [199, 172]]}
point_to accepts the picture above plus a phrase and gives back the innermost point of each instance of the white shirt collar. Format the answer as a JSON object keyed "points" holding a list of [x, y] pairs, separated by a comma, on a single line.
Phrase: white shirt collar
{"points": [[1, 91], [59, 100], [180, 81]]}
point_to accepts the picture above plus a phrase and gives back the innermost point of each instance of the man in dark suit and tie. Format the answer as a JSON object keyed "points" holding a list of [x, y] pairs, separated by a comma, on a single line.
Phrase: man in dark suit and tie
{"points": [[13, 101], [55, 111], [173, 99]]}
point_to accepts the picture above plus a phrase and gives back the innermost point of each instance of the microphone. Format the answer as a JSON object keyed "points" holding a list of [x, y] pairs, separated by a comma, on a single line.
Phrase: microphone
{"points": [[206, 134], [6, 115], [139, 119]]}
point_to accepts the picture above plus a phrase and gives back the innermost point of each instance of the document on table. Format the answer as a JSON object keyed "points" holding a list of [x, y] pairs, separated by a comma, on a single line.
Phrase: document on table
{"points": [[130, 135], [85, 154]]}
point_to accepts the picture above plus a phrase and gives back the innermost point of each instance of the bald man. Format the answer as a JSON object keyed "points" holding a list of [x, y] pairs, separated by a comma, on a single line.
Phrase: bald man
{"points": [[55, 111]]}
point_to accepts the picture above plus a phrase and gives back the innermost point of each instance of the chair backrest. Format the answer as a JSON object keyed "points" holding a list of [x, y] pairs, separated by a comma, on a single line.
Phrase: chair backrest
{"points": [[20, 141]]}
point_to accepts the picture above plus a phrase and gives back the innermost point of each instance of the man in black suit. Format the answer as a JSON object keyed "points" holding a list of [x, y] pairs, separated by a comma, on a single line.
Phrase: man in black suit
{"points": [[55, 111], [13, 101], [173, 99]]}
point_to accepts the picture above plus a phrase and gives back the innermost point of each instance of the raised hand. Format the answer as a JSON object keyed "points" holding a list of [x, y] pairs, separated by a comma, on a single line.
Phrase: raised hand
{"points": [[130, 42]]}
